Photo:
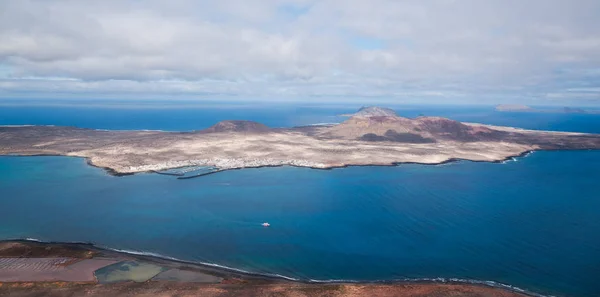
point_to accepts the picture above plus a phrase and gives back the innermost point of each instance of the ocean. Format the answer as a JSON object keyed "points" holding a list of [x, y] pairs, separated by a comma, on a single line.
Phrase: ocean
{"points": [[531, 223]]}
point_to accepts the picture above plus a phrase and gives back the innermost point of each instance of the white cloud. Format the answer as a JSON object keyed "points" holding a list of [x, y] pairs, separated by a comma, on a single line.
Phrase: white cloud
{"points": [[296, 50]]}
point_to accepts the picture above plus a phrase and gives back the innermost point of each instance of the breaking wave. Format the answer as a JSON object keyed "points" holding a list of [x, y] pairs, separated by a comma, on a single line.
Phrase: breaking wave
{"points": [[444, 281], [516, 158], [488, 283], [275, 275]]}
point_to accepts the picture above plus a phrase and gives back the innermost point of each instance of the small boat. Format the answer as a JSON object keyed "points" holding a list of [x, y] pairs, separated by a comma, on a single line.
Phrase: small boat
{"points": [[265, 224]]}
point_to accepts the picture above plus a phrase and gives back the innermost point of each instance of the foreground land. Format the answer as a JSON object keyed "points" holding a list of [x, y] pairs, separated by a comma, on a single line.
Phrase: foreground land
{"points": [[119, 274], [373, 136]]}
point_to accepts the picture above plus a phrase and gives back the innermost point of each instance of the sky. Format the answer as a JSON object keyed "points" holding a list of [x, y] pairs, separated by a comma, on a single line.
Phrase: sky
{"points": [[544, 52]]}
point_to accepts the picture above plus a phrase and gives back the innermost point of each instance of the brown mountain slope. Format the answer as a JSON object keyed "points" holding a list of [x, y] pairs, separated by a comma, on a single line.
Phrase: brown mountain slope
{"points": [[371, 126]]}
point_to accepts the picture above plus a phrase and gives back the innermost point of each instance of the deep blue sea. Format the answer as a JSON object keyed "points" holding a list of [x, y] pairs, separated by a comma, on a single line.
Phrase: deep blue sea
{"points": [[532, 223]]}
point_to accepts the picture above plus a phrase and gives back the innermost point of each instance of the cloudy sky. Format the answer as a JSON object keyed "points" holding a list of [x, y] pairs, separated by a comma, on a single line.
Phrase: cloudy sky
{"points": [[449, 51]]}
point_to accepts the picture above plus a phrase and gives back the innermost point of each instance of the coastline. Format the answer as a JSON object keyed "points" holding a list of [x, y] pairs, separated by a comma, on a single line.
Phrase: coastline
{"points": [[113, 172], [232, 145], [523, 154], [246, 278]]}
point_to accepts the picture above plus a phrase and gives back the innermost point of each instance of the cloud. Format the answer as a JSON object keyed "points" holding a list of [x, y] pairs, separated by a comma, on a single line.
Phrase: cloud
{"points": [[440, 50]]}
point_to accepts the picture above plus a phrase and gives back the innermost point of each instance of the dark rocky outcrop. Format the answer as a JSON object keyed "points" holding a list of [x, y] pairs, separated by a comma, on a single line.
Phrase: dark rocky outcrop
{"points": [[407, 137], [237, 126], [394, 136], [372, 137]]}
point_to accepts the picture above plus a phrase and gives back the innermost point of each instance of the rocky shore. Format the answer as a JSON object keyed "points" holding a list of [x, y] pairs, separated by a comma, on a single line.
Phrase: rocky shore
{"points": [[152, 276]]}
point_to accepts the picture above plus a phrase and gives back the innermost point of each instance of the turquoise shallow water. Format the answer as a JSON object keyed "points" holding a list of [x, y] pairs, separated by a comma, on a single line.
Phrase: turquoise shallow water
{"points": [[532, 223]]}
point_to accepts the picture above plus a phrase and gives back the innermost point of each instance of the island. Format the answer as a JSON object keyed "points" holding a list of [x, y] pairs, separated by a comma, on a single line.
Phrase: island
{"points": [[373, 136], [513, 107], [525, 108]]}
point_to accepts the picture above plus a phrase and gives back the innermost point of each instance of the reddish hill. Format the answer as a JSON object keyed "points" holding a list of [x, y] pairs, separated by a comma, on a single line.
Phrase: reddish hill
{"points": [[379, 124]]}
